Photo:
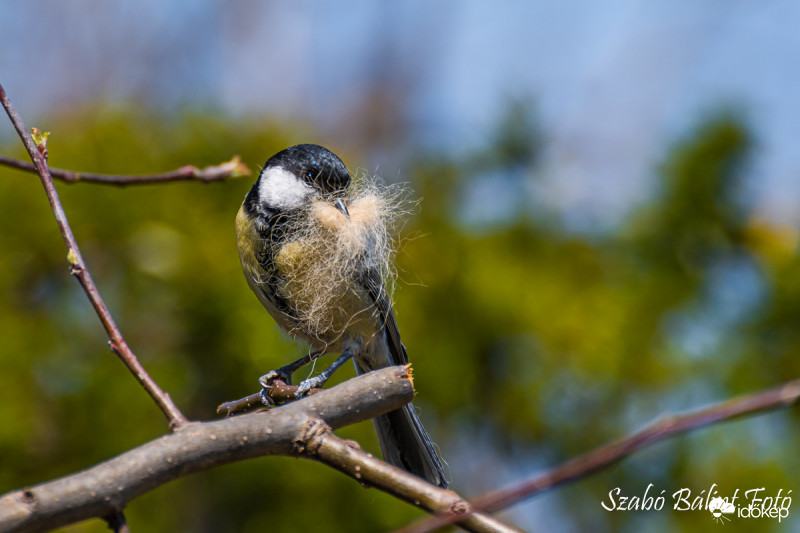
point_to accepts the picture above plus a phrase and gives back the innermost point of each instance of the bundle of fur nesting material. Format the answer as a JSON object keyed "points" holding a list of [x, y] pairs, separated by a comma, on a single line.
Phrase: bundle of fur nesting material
{"points": [[327, 255]]}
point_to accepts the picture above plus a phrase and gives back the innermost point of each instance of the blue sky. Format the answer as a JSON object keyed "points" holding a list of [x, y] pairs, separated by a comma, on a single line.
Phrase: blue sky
{"points": [[613, 83]]}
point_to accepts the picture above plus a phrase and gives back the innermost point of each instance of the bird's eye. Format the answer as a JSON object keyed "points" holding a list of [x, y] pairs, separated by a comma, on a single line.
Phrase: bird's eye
{"points": [[308, 176]]}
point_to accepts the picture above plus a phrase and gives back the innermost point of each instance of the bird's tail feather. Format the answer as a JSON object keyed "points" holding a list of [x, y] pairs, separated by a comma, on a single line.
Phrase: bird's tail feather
{"points": [[405, 443]]}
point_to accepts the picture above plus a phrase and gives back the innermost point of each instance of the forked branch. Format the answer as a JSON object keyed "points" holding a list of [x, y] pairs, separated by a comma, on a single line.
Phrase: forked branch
{"points": [[300, 429]]}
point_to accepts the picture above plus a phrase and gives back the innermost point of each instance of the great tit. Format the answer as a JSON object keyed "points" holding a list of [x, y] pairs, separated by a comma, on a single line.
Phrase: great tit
{"points": [[364, 327]]}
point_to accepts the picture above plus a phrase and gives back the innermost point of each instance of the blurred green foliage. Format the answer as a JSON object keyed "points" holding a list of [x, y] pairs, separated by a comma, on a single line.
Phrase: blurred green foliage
{"points": [[530, 343]]}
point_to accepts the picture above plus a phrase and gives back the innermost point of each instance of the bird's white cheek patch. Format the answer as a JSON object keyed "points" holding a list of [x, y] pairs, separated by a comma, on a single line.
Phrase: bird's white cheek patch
{"points": [[281, 189]]}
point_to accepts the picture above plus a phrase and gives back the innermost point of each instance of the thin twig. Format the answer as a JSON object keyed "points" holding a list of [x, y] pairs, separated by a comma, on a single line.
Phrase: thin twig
{"points": [[279, 393], [228, 169], [778, 397], [242, 405], [79, 270]]}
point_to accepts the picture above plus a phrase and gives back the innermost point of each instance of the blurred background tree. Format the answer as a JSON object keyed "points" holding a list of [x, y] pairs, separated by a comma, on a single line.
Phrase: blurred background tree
{"points": [[519, 274]]}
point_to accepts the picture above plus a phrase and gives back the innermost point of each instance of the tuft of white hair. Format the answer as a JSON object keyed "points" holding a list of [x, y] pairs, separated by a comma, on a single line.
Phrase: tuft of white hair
{"points": [[326, 255]]}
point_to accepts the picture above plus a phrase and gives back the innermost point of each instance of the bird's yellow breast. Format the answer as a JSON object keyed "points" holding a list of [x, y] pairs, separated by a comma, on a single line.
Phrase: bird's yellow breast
{"points": [[318, 266]]}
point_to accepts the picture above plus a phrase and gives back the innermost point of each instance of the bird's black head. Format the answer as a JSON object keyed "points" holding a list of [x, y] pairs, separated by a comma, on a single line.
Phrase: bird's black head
{"points": [[294, 176], [315, 165]]}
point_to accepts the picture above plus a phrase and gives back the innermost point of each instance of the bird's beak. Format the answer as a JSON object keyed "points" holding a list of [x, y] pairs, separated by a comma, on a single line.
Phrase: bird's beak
{"points": [[339, 203]]}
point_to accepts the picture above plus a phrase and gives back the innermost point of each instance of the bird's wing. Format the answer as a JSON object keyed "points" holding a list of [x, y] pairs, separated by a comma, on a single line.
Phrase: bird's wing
{"points": [[377, 292]]}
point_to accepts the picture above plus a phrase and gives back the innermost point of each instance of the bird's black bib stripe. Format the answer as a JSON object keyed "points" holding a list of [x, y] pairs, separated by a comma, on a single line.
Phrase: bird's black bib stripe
{"points": [[271, 228]]}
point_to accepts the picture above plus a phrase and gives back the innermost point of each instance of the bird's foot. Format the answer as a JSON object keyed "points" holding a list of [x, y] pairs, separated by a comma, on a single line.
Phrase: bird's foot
{"points": [[318, 381], [311, 383], [283, 374]]}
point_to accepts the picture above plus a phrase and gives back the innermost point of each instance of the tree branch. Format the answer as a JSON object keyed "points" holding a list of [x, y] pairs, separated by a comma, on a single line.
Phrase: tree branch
{"points": [[778, 397], [301, 429], [78, 269], [223, 171], [278, 393], [347, 457]]}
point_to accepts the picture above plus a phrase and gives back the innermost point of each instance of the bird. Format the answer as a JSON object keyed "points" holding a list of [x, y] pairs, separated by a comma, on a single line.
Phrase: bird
{"points": [[279, 215]]}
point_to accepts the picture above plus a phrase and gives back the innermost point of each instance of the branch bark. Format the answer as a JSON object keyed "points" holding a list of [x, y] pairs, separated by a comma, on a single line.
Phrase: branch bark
{"points": [[223, 171], [777, 397], [347, 457], [78, 269], [278, 393], [301, 429]]}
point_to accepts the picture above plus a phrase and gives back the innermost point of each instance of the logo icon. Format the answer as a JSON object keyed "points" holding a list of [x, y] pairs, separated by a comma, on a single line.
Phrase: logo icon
{"points": [[719, 508]]}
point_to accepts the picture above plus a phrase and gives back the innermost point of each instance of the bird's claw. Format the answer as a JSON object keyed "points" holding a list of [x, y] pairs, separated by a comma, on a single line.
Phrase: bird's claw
{"points": [[266, 383], [265, 398], [267, 379], [308, 384]]}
